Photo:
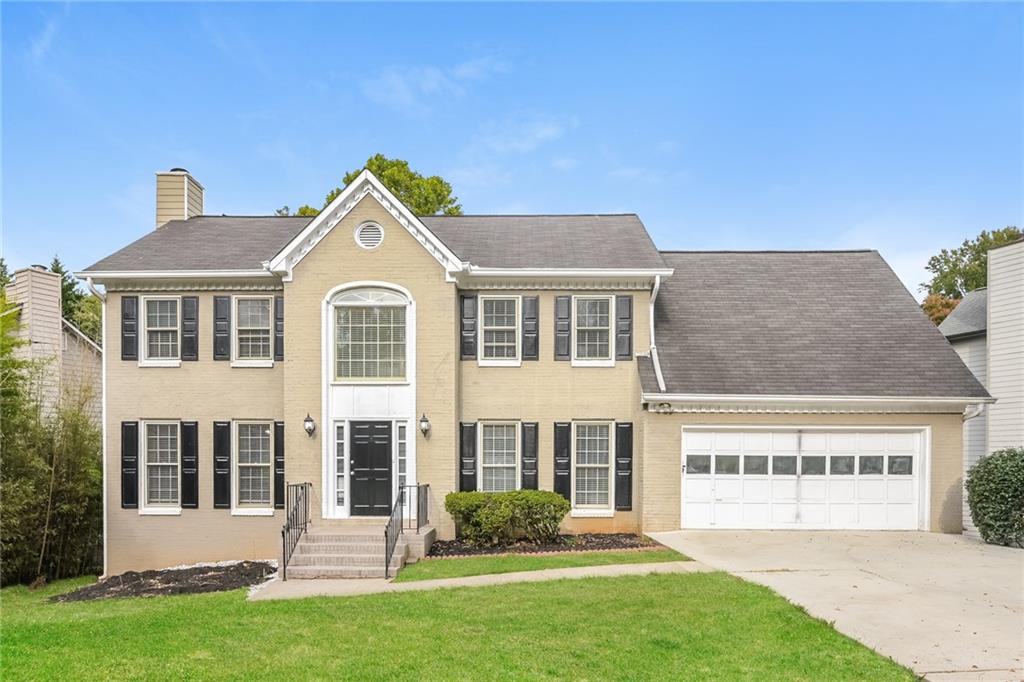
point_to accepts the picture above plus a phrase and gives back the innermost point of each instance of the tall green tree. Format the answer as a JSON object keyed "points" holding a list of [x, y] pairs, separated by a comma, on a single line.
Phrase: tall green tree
{"points": [[965, 268], [70, 294], [423, 195], [5, 274]]}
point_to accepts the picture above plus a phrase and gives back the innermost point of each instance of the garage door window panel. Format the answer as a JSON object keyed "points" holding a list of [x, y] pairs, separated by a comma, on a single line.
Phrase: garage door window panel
{"points": [[784, 465], [698, 464], [901, 465], [812, 466], [755, 465], [841, 465], [871, 465]]}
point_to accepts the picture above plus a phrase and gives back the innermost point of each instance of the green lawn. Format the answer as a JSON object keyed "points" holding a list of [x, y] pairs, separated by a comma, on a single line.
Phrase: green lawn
{"points": [[679, 626], [430, 569]]}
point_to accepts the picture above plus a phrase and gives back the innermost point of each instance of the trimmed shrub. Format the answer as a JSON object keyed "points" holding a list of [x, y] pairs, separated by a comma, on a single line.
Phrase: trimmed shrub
{"points": [[995, 494], [502, 518]]}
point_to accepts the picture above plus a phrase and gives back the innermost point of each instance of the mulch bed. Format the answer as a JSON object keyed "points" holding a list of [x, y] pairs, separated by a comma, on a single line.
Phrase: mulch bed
{"points": [[584, 542], [190, 580]]}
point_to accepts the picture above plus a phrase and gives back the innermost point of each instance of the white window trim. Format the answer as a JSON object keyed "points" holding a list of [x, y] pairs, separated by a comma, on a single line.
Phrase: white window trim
{"points": [[517, 361], [249, 510], [250, 362], [146, 509], [592, 511], [595, 362], [144, 360], [409, 340], [480, 451]]}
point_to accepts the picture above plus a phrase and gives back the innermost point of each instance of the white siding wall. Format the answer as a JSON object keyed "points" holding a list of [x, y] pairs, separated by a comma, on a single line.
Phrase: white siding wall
{"points": [[38, 291], [974, 353], [1006, 346]]}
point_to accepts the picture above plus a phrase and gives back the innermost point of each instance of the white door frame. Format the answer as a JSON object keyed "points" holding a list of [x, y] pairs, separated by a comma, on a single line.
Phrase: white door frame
{"points": [[924, 465], [331, 482]]}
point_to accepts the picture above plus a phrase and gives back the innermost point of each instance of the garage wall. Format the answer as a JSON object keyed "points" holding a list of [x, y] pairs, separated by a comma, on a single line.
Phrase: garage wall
{"points": [[660, 478]]}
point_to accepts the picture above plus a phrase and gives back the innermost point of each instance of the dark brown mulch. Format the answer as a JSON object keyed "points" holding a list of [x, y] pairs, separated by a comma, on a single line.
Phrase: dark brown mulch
{"points": [[192, 580], [584, 542]]}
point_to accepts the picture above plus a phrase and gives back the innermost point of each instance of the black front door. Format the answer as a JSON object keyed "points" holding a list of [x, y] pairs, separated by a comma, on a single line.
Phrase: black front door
{"points": [[370, 450]]}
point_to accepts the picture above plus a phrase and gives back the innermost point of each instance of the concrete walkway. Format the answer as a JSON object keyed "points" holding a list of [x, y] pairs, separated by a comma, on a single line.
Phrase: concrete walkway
{"points": [[298, 589], [948, 607]]}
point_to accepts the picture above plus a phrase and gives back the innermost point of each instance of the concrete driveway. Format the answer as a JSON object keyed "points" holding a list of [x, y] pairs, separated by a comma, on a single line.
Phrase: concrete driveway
{"points": [[947, 607]]}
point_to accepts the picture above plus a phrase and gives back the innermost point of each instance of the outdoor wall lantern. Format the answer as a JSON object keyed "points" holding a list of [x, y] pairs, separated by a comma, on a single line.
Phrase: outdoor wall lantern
{"points": [[309, 425], [424, 425]]}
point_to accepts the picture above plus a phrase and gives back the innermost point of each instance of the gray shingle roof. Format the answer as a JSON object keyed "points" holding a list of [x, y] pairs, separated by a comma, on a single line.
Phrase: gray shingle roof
{"points": [[243, 243], [969, 318], [548, 241], [798, 323]]}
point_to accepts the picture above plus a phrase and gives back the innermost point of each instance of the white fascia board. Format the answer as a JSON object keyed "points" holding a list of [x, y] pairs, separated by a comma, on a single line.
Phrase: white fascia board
{"points": [[724, 398], [364, 184], [99, 275]]}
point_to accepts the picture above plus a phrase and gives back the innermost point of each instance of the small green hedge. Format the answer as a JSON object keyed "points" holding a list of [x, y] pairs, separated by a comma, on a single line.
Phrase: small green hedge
{"points": [[995, 494], [502, 518]]}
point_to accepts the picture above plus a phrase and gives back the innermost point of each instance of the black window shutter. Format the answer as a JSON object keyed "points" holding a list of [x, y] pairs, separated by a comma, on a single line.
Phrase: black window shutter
{"points": [[129, 465], [467, 456], [189, 465], [623, 327], [221, 327], [563, 326], [222, 465], [624, 466], [531, 339], [529, 456], [468, 327], [563, 459], [278, 465], [129, 327], [189, 328], [279, 329]]}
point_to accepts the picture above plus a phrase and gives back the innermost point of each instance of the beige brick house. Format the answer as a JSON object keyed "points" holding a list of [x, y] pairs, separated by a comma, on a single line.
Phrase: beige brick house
{"points": [[368, 349]]}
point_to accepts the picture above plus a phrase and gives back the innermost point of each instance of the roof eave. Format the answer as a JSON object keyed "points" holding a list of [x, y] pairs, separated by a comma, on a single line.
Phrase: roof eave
{"points": [[668, 403], [101, 275]]}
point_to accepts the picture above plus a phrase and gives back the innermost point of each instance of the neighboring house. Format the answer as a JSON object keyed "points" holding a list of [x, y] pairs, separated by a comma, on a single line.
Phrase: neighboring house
{"points": [[654, 390], [68, 362], [987, 330]]}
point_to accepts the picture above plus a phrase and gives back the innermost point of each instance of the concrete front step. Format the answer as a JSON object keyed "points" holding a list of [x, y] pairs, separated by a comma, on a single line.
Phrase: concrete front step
{"points": [[313, 572], [343, 538], [346, 548], [337, 560]]}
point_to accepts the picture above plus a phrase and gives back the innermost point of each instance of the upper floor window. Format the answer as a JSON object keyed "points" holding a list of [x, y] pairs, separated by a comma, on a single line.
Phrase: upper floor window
{"points": [[253, 328], [162, 329], [370, 336], [499, 329], [162, 458], [592, 328]]}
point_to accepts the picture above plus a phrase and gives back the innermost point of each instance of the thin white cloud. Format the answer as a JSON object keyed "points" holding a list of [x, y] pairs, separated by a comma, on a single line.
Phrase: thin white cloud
{"points": [[42, 42], [564, 164], [409, 88], [487, 157]]}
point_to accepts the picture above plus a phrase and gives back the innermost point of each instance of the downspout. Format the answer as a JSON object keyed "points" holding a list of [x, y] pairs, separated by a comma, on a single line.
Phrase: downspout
{"points": [[103, 407], [654, 345]]}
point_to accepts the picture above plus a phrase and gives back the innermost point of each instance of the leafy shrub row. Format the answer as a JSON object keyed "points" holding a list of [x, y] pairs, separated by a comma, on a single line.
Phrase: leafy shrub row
{"points": [[502, 518], [995, 494]]}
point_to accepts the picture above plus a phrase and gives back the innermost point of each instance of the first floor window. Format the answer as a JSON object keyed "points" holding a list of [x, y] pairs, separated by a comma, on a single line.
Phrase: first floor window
{"points": [[593, 328], [254, 464], [592, 464], [253, 329], [369, 342], [500, 328], [498, 458], [161, 328], [162, 465]]}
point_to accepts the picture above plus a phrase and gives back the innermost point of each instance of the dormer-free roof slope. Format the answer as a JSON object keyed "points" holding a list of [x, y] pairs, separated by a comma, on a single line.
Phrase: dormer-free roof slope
{"points": [[797, 324], [969, 318]]}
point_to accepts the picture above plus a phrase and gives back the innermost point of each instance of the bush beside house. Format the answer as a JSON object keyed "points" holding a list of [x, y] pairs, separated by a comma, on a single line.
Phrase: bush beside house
{"points": [[995, 494], [491, 519]]}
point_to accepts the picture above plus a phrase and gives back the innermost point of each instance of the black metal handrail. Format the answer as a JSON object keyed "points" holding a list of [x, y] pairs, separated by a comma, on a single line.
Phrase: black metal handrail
{"points": [[296, 520], [417, 496], [392, 530]]}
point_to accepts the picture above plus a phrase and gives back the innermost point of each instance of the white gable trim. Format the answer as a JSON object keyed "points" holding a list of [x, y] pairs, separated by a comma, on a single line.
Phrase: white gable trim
{"points": [[366, 184]]}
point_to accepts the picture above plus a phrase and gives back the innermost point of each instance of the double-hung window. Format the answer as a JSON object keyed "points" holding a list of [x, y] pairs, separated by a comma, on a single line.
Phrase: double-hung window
{"points": [[253, 329], [162, 330], [592, 329], [162, 459], [369, 343], [592, 464], [499, 456], [253, 464], [499, 330]]}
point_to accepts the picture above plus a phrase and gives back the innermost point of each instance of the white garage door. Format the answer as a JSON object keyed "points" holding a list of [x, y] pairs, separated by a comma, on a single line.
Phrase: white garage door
{"points": [[801, 479]]}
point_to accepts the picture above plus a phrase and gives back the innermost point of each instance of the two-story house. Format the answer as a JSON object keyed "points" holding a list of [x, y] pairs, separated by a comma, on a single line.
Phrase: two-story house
{"points": [[368, 348]]}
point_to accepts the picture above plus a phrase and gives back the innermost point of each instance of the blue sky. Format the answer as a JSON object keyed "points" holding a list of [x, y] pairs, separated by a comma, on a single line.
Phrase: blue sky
{"points": [[739, 126]]}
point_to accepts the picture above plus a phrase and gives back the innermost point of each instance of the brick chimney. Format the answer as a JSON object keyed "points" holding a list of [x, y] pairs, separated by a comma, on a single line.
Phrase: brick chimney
{"points": [[179, 196]]}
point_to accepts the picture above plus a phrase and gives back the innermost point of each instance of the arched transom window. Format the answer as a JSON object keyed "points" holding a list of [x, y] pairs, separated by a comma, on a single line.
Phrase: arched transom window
{"points": [[370, 335]]}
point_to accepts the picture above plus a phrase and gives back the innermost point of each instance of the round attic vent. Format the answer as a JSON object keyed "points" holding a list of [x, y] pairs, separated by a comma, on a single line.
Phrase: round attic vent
{"points": [[369, 235]]}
